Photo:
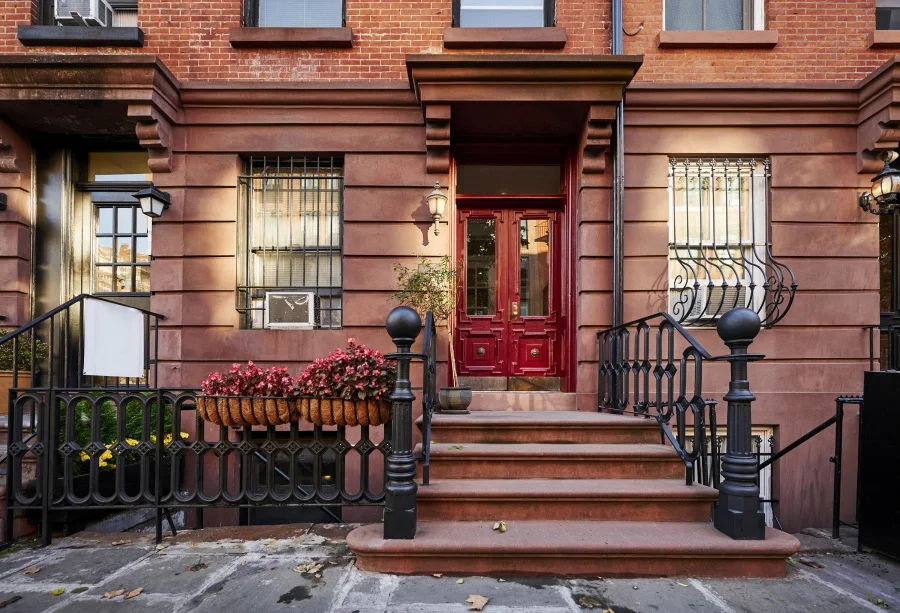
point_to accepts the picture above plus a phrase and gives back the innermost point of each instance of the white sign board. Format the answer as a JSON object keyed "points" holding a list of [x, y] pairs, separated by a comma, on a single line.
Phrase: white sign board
{"points": [[113, 340]]}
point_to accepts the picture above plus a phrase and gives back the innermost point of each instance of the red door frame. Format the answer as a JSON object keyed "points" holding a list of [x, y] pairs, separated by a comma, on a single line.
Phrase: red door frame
{"points": [[567, 206]]}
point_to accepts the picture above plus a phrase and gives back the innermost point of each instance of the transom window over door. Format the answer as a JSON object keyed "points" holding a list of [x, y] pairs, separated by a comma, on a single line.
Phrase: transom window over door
{"points": [[692, 15], [503, 13], [290, 269], [294, 13]]}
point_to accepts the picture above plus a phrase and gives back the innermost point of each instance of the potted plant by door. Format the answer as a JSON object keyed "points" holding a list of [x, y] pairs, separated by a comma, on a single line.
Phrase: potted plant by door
{"points": [[348, 387], [432, 286], [23, 359]]}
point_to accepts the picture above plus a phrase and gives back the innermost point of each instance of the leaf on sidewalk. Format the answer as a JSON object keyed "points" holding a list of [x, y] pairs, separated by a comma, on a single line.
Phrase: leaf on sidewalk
{"points": [[161, 546], [133, 593], [811, 563], [198, 566], [682, 584], [438, 575], [59, 591], [310, 569], [476, 602], [116, 543], [111, 595], [459, 580], [499, 526], [79, 590], [32, 570], [10, 601]]}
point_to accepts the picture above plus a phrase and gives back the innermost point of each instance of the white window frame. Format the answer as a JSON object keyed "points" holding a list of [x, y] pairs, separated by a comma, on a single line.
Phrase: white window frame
{"points": [[757, 13]]}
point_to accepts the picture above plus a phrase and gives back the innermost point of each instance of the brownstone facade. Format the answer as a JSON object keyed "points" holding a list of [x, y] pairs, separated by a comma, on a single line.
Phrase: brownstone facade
{"points": [[806, 92]]}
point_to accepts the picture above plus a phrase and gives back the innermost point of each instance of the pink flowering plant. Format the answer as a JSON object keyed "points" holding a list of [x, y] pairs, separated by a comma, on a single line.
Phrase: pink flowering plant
{"points": [[354, 372], [250, 381]]}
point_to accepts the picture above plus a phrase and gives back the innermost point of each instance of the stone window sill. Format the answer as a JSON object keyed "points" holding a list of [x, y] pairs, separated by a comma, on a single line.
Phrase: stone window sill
{"points": [[505, 38], [884, 39], [80, 36], [281, 38], [718, 39]]}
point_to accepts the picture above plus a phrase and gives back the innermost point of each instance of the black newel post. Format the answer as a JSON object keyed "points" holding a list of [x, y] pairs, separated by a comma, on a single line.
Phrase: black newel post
{"points": [[738, 512], [404, 325]]}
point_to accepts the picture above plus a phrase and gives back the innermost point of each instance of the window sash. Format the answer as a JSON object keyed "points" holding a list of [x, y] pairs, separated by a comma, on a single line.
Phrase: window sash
{"points": [[491, 13], [121, 247], [701, 15], [294, 13]]}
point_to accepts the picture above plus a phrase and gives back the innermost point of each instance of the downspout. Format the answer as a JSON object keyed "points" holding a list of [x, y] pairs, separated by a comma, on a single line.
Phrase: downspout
{"points": [[618, 212]]}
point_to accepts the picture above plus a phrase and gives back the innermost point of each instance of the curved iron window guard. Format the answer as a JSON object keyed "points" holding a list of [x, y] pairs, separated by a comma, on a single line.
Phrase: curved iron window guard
{"points": [[720, 252]]}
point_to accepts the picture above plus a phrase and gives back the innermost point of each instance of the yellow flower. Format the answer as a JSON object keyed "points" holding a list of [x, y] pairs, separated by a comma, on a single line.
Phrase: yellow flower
{"points": [[84, 456], [132, 442]]}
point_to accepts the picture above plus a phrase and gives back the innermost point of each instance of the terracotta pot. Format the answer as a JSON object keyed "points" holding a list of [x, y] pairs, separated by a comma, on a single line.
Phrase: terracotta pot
{"points": [[6, 383], [340, 412], [239, 412]]}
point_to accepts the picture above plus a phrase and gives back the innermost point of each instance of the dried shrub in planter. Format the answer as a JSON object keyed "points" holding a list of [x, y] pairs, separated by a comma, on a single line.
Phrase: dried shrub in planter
{"points": [[248, 396], [348, 387]]}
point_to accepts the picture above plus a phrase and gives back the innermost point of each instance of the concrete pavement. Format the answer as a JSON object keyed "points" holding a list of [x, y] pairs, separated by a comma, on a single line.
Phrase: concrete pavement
{"points": [[276, 568]]}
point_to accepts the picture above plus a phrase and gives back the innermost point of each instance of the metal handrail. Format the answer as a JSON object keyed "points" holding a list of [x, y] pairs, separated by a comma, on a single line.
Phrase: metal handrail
{"points": [[429, 391]]}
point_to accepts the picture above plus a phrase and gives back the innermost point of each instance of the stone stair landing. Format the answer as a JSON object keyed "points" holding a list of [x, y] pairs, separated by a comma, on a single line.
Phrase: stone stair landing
{"points": [[582, 494]]}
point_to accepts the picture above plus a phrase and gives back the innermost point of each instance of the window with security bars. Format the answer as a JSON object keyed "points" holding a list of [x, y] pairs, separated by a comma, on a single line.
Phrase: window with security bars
{"points": [[294, 13], [713, 14], [503, 13], [121, 253], [718, 249], [290, 243]]}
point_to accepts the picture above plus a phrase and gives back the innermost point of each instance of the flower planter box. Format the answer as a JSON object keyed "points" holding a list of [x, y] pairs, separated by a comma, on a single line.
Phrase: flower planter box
{"points": [[241, 411], [341, 412]]}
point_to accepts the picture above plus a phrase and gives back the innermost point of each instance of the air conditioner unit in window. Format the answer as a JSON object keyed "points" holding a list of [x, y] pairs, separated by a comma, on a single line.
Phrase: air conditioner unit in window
{"points": [[712, 302], [290, 310], [83, 12]]}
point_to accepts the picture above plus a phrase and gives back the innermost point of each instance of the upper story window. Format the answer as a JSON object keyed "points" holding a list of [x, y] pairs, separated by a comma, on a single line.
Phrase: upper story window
{"points": [[887, 15], [108, 13], [714, 15], [718, 239], [290, 243], [503, 13], [294, 13]]}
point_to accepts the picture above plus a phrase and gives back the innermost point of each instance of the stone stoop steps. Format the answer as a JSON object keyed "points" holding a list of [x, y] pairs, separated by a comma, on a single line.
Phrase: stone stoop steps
{"points": [[582, 494]]}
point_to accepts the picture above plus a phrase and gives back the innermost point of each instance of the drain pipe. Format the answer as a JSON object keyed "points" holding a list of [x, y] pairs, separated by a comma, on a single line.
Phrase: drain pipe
{"points": [[618, 213]]}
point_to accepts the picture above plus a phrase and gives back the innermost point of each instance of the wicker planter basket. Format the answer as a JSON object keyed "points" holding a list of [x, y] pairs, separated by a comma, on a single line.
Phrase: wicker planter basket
{"points": [[247, 411], [340, 412]]}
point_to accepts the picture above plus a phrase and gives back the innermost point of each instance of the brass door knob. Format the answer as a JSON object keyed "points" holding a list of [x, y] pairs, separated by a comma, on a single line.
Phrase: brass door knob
{"points": [[534, 353], [514, 309]]}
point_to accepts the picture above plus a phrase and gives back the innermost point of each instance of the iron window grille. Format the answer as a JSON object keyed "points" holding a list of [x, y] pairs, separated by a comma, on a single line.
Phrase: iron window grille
{"points": [[504, 13], [720, 257], [693, 15], [121, 253], [295, 13], [290, 237]]}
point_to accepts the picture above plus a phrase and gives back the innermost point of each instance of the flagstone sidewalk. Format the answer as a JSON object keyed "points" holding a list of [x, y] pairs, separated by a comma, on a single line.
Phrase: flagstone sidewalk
{"points": [[308, 568]]}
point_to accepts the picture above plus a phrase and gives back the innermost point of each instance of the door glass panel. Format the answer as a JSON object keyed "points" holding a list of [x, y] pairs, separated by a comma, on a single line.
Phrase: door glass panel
{"points": [[534, 267], [501, 179], [481, 267]]}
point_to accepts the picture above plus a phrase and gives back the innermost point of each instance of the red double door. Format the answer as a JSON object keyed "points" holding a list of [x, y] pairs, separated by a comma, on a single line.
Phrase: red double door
{"points": [[508, 311]]}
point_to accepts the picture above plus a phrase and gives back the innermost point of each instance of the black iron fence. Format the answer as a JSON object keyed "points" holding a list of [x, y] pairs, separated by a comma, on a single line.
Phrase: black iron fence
{"points": [[108, 449], [652, 367]]}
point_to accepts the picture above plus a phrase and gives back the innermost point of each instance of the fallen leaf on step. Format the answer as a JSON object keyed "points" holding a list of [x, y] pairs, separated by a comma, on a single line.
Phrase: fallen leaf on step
{"points": [[459, 580], [58, 591], [115, 543], [586, 602], [682, 584], [499, 526], [32, 570], [792, 561], [476, 602], [318, 576], [198, 566], [438, 575], [811, 563], [111, 595], [79, 590], [133, 593], [455, 447], [502, 580]]}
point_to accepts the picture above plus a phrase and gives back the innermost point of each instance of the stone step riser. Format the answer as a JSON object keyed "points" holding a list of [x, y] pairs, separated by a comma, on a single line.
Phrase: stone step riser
{"points": [[568, 435], [611, 565], [444, 467], [662, 510]]}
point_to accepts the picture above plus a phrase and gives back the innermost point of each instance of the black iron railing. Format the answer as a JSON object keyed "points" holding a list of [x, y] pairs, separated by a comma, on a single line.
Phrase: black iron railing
{"points": [[108, 449], [652, 367], [50, 349], [429, 391], [887, 350]]}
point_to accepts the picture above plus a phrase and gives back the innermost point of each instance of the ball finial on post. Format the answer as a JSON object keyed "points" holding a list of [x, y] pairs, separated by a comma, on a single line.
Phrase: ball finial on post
{"points": [[739, 324], [403, 323]]}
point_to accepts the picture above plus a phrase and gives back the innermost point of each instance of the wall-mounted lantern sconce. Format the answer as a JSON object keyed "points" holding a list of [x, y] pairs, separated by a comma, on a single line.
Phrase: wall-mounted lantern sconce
{"points": [[2, 201], [884, 198], [153, 202], [437, 201]]}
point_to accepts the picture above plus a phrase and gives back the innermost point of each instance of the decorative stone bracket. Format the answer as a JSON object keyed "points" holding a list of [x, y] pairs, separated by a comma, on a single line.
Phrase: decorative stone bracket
{"points": [[10, 150], [879, 117], [437, 138], [597, 138], [154, 133]]}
